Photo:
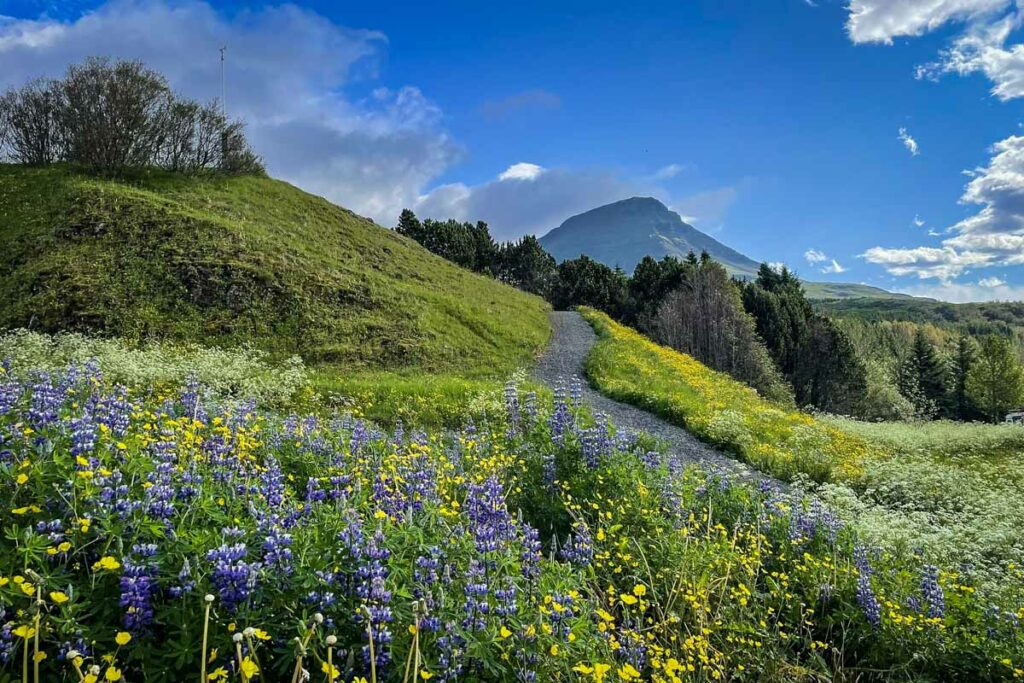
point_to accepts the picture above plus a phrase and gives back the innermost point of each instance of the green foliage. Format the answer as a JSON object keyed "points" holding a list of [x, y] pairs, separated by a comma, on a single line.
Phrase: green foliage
{"points": [[232, 261], [525, 264], [996, 379], [923, 379], [318, 538], [812, 352], [418, 401], [975, 319], [704, 318], [585, 282], [242, 372]]}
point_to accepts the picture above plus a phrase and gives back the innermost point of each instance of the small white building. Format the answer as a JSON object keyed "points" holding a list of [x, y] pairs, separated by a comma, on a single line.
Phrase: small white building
{"points": [[1016, 416]]}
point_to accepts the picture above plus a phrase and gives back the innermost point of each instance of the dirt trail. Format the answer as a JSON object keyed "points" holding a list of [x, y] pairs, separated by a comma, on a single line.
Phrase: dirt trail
{"points": [[570, 343]]}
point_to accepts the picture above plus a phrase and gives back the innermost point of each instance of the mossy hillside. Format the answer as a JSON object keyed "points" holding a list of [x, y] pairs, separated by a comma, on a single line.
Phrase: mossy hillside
{"points": [[246, 260]]}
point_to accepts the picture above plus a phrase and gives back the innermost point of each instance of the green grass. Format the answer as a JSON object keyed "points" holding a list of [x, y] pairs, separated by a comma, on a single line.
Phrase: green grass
{"points": [[418, 401], [249, 260]]}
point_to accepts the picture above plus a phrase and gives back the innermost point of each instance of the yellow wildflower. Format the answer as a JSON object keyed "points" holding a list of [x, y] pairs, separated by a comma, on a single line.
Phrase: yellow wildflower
{"points": [[107, 562]]}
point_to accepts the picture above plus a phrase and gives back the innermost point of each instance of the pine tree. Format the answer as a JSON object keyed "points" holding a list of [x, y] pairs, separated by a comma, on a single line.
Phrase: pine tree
{"points": [[922, 378], [962, 358]]}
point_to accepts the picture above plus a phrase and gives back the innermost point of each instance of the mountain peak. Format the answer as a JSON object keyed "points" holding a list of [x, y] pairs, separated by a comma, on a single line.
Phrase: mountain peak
{"points": [[623, 232]]}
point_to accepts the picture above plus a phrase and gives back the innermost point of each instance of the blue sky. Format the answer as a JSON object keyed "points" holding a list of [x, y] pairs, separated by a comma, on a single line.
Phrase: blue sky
{"points": [[866, 141]]}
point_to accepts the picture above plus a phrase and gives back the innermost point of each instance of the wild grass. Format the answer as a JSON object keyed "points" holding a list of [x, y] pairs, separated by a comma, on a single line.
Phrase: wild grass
{"points": [[416, 400], [234, 261]]}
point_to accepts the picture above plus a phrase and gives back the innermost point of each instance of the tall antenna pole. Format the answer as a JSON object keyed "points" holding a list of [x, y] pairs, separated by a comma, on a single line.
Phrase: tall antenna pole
{"points": [[223, 90]]}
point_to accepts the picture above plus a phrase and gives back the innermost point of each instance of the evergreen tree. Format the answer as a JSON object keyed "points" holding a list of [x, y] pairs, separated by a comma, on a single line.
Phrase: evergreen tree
{"points": [[963, 356], [409, 225], [652, 281], [922, 378], [585, 282], [817, 357], [996, 380], [526, 265]]}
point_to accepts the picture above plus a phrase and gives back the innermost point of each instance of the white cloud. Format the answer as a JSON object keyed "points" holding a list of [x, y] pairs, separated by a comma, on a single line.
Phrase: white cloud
{"points": [[833, 268], [777, 266], [909, 142], [706, 209], [918, 221], [982, 49], [815, 256], [522, 201], [993, 236], [879, 21], [965, 292], [669, 171], [529, 199], [991, 282], [287, 69], [521, 171]]}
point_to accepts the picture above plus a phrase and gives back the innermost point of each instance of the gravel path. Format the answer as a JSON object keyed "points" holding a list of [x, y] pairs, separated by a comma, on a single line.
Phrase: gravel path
{"points": [[564, 358]]}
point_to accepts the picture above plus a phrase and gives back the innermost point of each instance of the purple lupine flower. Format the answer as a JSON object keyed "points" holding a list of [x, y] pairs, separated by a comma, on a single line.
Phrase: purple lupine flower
{"points": [[191, 399], [865, 595], [233, 577], [451, 661], [83, 435], [485, 507], [138, 588], [576, 392], [932, 592], [185, 582], [46, 401], [277, 551], [113, 410], [561, 417], [10, 392], [359, 438], [549, 471], [579, 546], [477, 592]]}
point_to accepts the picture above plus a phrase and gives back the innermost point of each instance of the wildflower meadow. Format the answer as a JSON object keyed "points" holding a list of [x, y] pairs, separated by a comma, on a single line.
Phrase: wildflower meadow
{"points": [[171, 534]]}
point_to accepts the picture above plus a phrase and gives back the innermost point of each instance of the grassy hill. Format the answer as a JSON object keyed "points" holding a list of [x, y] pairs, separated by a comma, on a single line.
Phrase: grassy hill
{"points": [[227, 261], [848, 290]]}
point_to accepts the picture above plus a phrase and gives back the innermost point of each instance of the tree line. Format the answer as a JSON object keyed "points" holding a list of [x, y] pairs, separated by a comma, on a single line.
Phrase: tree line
{"points": [[110, 117], [923, 370], [764, 333]]}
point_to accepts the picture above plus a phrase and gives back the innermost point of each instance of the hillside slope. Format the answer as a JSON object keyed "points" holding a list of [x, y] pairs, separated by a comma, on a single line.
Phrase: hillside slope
{"points": [[246, 260]]}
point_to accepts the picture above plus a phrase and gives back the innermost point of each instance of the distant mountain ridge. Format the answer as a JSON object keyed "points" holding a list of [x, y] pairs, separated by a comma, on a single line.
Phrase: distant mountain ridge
{"points": [[624, 232]]}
